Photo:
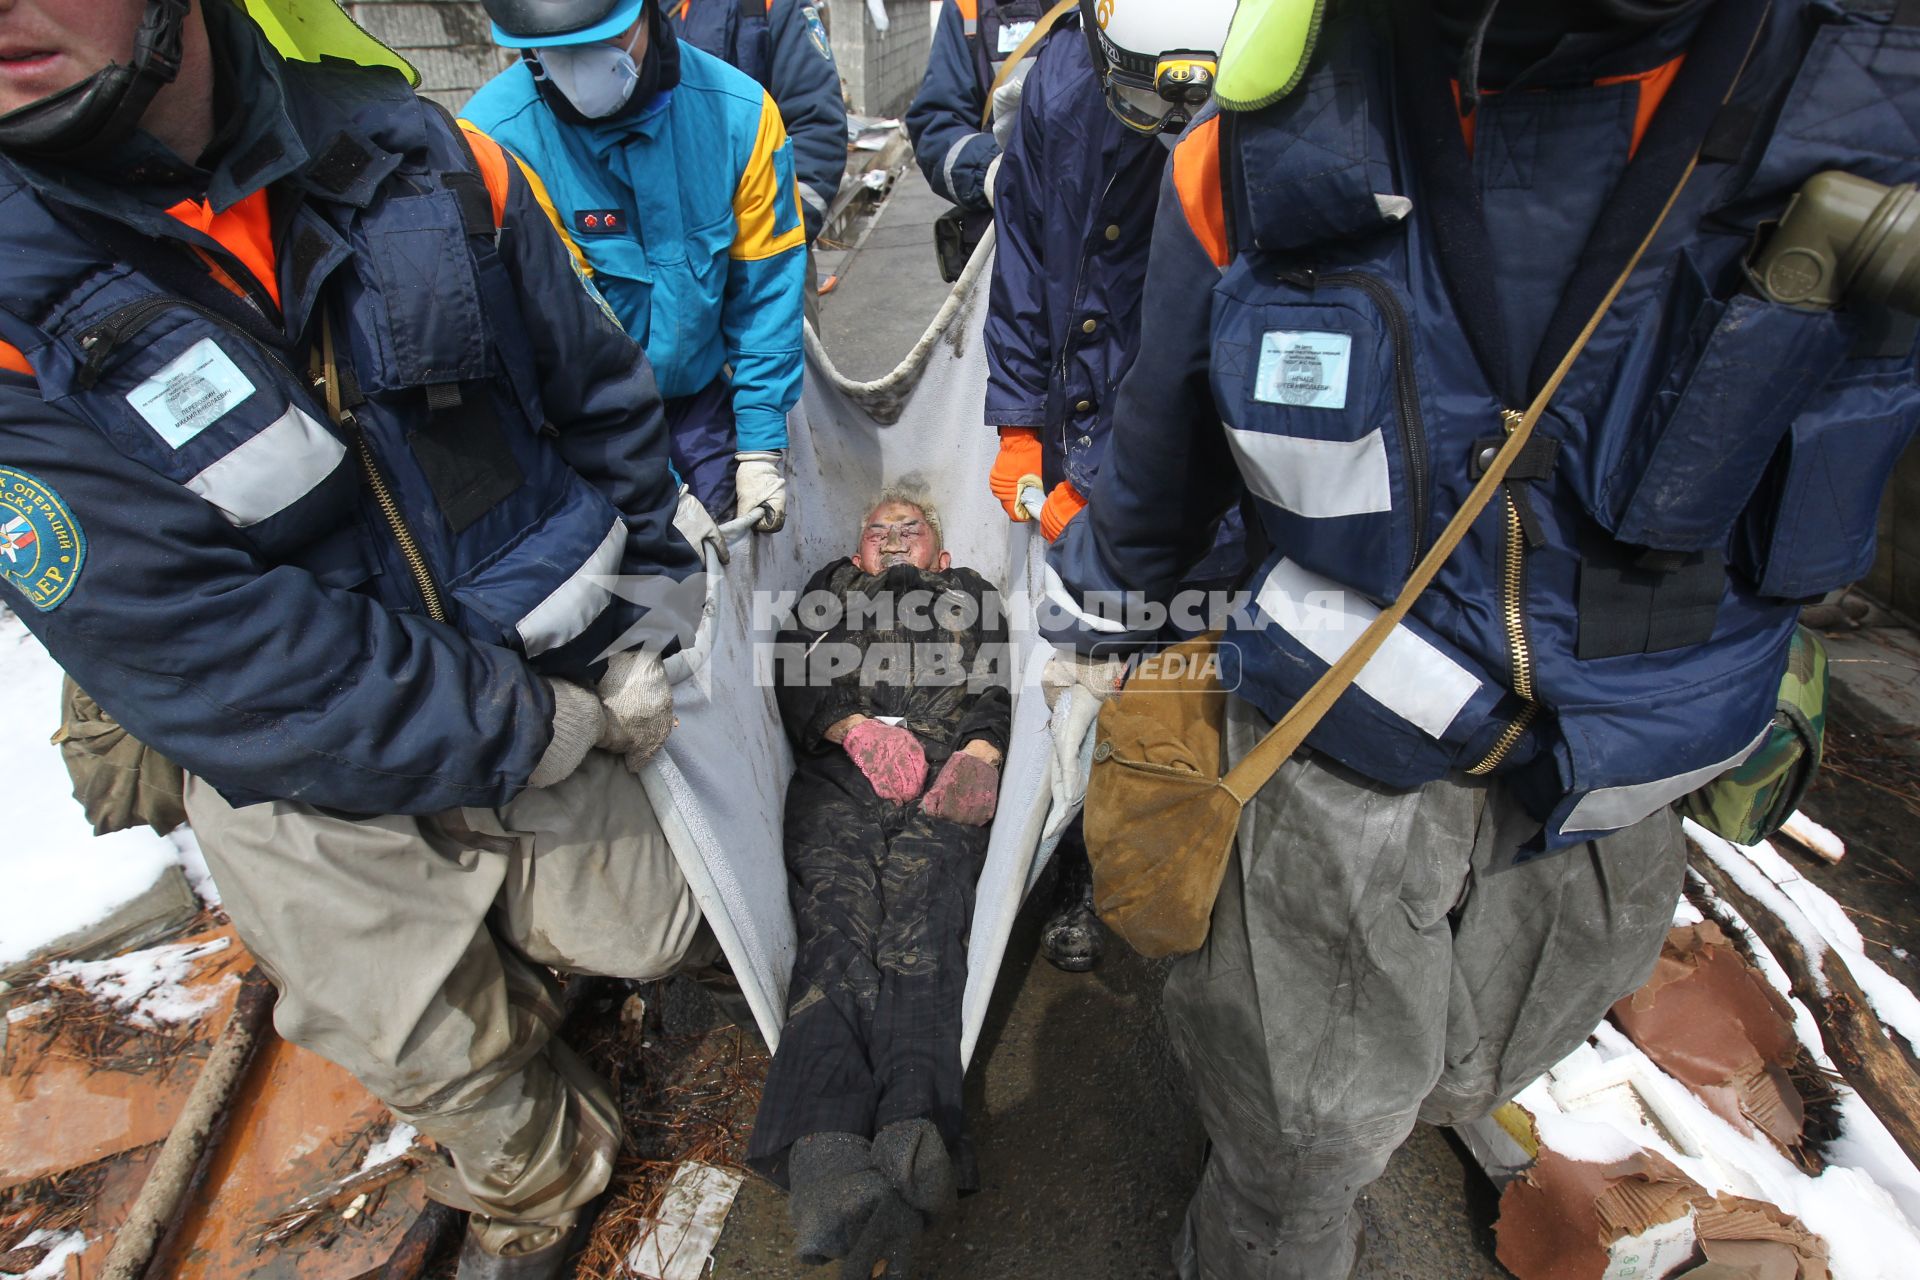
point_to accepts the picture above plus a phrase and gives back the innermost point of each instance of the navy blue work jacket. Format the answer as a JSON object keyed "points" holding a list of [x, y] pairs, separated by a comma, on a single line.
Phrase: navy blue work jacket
{"points": [[1329, 340], [970, 41], [1074, 204], [198, 543]]}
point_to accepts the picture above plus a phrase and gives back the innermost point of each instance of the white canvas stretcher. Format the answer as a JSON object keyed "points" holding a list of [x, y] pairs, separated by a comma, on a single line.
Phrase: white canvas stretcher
{"points": [[720, 782]]}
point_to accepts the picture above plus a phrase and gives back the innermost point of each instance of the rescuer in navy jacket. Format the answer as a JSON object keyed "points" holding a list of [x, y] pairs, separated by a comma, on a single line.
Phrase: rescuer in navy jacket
{"points": [[323, 471], [1351, 291]]}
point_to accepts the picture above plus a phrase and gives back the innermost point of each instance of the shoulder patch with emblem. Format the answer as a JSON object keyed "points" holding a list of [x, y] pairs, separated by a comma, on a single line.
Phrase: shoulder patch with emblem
{"points": [[817, 32], [41, 546]]}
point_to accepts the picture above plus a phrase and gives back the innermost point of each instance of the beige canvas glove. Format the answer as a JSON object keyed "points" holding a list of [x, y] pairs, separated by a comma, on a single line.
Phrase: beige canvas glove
{"points": [[639, 706], [578, 723]]}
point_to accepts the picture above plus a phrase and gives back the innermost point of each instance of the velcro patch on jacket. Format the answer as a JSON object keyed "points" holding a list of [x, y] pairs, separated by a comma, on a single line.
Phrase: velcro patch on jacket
{"points": [[599, 222], [41, 546]]}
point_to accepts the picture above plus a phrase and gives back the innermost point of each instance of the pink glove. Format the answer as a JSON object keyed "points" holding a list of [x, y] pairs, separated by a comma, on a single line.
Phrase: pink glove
{"points": [[965, 792], [890, 757]]}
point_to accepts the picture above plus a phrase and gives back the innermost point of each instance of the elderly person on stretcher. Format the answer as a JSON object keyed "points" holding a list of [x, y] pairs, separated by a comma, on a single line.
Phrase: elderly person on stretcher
{"points": [[892, 683]]}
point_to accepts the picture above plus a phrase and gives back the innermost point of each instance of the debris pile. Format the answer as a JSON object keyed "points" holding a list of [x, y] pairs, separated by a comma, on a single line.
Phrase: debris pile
{"points": [[1749, 1114]]}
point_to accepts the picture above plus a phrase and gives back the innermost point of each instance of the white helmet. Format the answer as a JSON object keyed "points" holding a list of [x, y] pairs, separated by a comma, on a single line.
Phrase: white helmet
{"points": [[1157, 57]]}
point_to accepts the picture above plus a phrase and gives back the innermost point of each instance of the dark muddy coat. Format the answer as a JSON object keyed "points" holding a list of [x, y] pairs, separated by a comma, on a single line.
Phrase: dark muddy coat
{"points": [[883, 893]]}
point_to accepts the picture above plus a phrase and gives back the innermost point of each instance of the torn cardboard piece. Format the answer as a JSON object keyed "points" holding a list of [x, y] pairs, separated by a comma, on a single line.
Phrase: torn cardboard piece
{"points": [[1641, 1218], [1712, 1021]]}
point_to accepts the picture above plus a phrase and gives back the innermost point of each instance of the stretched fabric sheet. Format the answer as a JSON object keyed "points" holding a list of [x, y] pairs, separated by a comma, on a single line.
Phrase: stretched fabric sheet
{"points": [[721, 780]]}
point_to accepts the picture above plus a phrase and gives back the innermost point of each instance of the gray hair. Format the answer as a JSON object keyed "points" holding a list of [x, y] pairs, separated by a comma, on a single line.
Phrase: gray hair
{"points": [[911, 491]]}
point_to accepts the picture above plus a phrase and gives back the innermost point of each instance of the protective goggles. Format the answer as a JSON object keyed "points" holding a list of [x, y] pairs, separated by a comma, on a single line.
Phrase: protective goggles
{"points": [[1161, 98]]}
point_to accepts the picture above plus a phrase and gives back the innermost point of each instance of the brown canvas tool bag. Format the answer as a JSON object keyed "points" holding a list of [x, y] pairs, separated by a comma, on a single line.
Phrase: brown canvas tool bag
{"points": [[1160, 814]]}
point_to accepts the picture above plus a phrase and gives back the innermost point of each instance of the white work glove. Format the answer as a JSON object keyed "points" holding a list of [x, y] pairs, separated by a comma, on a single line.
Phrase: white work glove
{"points": [[1100, 677], [578, 723], [695, 523], [993, 170], [759, 478], [1006, 103], [639, 706]]}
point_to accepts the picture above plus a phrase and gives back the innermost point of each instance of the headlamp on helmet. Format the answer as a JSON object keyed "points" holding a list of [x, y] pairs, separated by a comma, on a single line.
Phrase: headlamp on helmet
{"points": [[1157, 61]]}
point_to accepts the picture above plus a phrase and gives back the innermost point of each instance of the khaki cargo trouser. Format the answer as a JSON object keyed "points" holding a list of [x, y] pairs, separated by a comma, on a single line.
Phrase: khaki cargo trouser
{"points": [[1374, 958], [415, 953]]}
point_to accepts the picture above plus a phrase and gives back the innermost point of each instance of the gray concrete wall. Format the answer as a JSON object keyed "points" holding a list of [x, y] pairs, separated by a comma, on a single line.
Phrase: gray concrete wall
{"points": [[881, 70], [446, 39]]}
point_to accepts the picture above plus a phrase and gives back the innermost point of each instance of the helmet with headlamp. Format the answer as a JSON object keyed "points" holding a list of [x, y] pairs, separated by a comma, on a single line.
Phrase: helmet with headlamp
{"points": [[1157, 60]]}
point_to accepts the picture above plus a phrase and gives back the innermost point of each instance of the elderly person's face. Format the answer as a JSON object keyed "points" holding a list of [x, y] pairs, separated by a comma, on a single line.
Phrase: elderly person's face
{"points": [[47, 45], [899, 533]]}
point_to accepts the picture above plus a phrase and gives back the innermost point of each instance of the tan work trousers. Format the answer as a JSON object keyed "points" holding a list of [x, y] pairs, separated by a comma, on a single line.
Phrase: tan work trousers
{"points": [[415, 952]]}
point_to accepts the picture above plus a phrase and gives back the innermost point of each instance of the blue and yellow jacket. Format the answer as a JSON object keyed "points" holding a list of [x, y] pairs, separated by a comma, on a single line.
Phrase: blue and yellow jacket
{"points": [[688, 214], [783, 45]]}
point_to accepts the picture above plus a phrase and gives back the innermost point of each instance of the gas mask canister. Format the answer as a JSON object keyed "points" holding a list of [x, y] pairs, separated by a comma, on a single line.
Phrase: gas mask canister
{"points": [[1844, 240], [597, 79]]}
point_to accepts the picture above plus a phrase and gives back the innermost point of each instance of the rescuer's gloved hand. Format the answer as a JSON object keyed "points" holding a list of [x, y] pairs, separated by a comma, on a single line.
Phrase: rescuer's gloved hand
{"points": [[891, 758], [1066, 670], [965, 792], [759, 478], [639, 706], [578, 722], [695, 523], [1016, 468], [1006, 103], [1063, 504]]}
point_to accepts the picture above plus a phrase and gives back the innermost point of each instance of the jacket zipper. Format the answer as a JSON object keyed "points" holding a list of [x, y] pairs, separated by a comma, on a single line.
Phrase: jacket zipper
{"points": [[1513, 614], [383, 496], [1413, 434], [100, 341]]}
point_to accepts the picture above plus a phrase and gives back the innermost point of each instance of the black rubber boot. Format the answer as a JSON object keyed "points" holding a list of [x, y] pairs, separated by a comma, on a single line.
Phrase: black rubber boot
{"points": [[913, 1158], [1073, 938], [833, 1191]]}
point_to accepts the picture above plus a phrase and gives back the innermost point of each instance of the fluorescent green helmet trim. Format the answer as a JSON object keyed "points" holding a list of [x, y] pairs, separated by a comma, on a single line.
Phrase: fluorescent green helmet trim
{"points": [[1266, 52], [309, 30]]}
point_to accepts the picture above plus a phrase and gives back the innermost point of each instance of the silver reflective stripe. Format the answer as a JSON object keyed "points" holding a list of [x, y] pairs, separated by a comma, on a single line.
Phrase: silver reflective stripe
{"points": [[1611, 808], [811, 198], [953, 158], [1407, 676], [269, 473], [1317, 478], [1061, 598], [576, 602]]}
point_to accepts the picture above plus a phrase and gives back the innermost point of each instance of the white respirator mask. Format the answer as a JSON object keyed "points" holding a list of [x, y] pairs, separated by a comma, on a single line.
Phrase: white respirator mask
{"points": [[596, 78]]}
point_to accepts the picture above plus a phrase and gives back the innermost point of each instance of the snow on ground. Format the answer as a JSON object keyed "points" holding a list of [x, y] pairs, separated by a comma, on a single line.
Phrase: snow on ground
{"points": [[397, 1143], [59, 876], [60, 1245], [148, 986]]}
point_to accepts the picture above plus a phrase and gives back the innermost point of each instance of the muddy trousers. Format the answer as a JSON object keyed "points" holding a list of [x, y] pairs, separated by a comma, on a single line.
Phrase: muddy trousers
{"points": [[1374, 957], [415, 952]]}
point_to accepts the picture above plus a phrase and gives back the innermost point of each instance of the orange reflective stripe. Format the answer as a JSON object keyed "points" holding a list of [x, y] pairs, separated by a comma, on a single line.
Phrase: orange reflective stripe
{"points": [[1653, 91], [13, 360], [969, 9], [1196, 179], [245, 231], [493, 168]]}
